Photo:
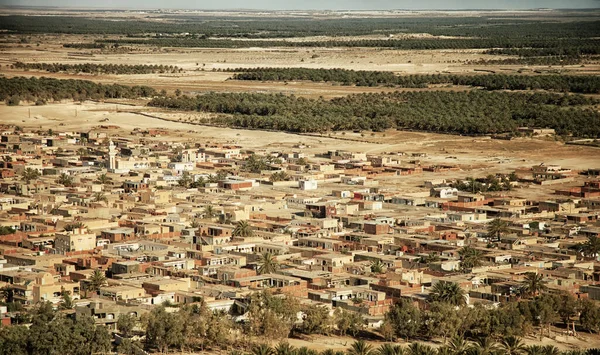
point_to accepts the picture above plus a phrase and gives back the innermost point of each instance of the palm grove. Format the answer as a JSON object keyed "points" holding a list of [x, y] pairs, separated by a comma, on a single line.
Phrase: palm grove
{"points": [[269, 316], [471, 112]]}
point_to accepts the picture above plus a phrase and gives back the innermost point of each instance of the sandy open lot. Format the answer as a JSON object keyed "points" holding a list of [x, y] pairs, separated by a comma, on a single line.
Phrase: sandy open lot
{"points": [[476, 156]]}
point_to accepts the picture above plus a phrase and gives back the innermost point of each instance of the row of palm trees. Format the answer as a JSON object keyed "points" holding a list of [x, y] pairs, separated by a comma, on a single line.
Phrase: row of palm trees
{"points": [[267, 262], [498, 227], [451, 292], [510, 345]]}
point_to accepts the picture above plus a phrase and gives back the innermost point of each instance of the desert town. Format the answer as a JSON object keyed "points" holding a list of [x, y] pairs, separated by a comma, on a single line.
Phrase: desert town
{"points": [[299, 183], [119, 223]]}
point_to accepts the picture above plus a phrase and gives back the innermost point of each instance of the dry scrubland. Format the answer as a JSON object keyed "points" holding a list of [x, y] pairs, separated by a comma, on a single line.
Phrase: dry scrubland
{"points": [[198, 65]]}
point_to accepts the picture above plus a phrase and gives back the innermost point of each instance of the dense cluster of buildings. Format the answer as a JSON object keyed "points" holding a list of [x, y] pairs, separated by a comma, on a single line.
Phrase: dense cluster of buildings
{"points": [[159, 219]]}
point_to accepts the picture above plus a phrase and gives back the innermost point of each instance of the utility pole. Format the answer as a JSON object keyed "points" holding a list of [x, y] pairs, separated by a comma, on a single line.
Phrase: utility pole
{"points": [[29, 111]]}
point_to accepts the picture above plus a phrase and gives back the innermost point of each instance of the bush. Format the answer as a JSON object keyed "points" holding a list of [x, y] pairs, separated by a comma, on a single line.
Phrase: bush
{"points": [[14, 100]]}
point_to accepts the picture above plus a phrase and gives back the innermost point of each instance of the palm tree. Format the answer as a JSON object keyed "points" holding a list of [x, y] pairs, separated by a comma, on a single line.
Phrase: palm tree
{"points": [[209, 212], [377, 266], [97, 280], [551, 350], [575, 352], [83, 152], [512, 345], [432, 258], [591, 247], [534, 284], [497, 228], [484, 346], [99, 196], [103, 179], [262, 349], [243, 229], [7, 293], [225, 219], [198, 183], [542, 350], [65, 180], [420, 349], [186, 180], [220, 175], [360, 347], [284, 348], [305, 351], [389, 349], [279, 176], [267, 264], [30, 174], [472, 183], [470, 258], [67, 302], [458, 345], [448, 292], [75, 225]]}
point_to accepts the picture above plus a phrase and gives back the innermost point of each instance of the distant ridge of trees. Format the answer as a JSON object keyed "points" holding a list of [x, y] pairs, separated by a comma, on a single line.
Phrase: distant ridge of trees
{"points": [[548, 60], [85, 45], [544, 46], [93, 68], [567, 51], [282, 27]]}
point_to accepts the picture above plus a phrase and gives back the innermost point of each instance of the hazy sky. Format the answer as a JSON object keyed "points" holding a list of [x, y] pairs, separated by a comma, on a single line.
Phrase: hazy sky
{"points": [[313, 4]]}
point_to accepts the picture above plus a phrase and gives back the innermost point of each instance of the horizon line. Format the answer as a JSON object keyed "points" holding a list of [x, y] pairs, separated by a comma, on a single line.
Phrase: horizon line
{"points": [[299, 9]]}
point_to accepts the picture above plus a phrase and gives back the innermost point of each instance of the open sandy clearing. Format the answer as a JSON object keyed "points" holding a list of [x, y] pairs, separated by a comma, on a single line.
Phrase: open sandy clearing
{"points": [[467, 152]]}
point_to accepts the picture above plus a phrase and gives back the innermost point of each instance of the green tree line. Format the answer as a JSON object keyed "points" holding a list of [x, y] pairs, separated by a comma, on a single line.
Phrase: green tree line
{"points": [[32, 89], [93, 68], [52, 333], [447, 317], [588, 84], [570, 51], [85, 45], [551, 46], [457, 346], [472, 112], [543, 61], [188, 328]]}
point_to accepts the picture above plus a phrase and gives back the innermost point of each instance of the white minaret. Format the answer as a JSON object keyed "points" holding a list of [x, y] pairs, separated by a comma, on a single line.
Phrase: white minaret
{"points": [[112, 156]]}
